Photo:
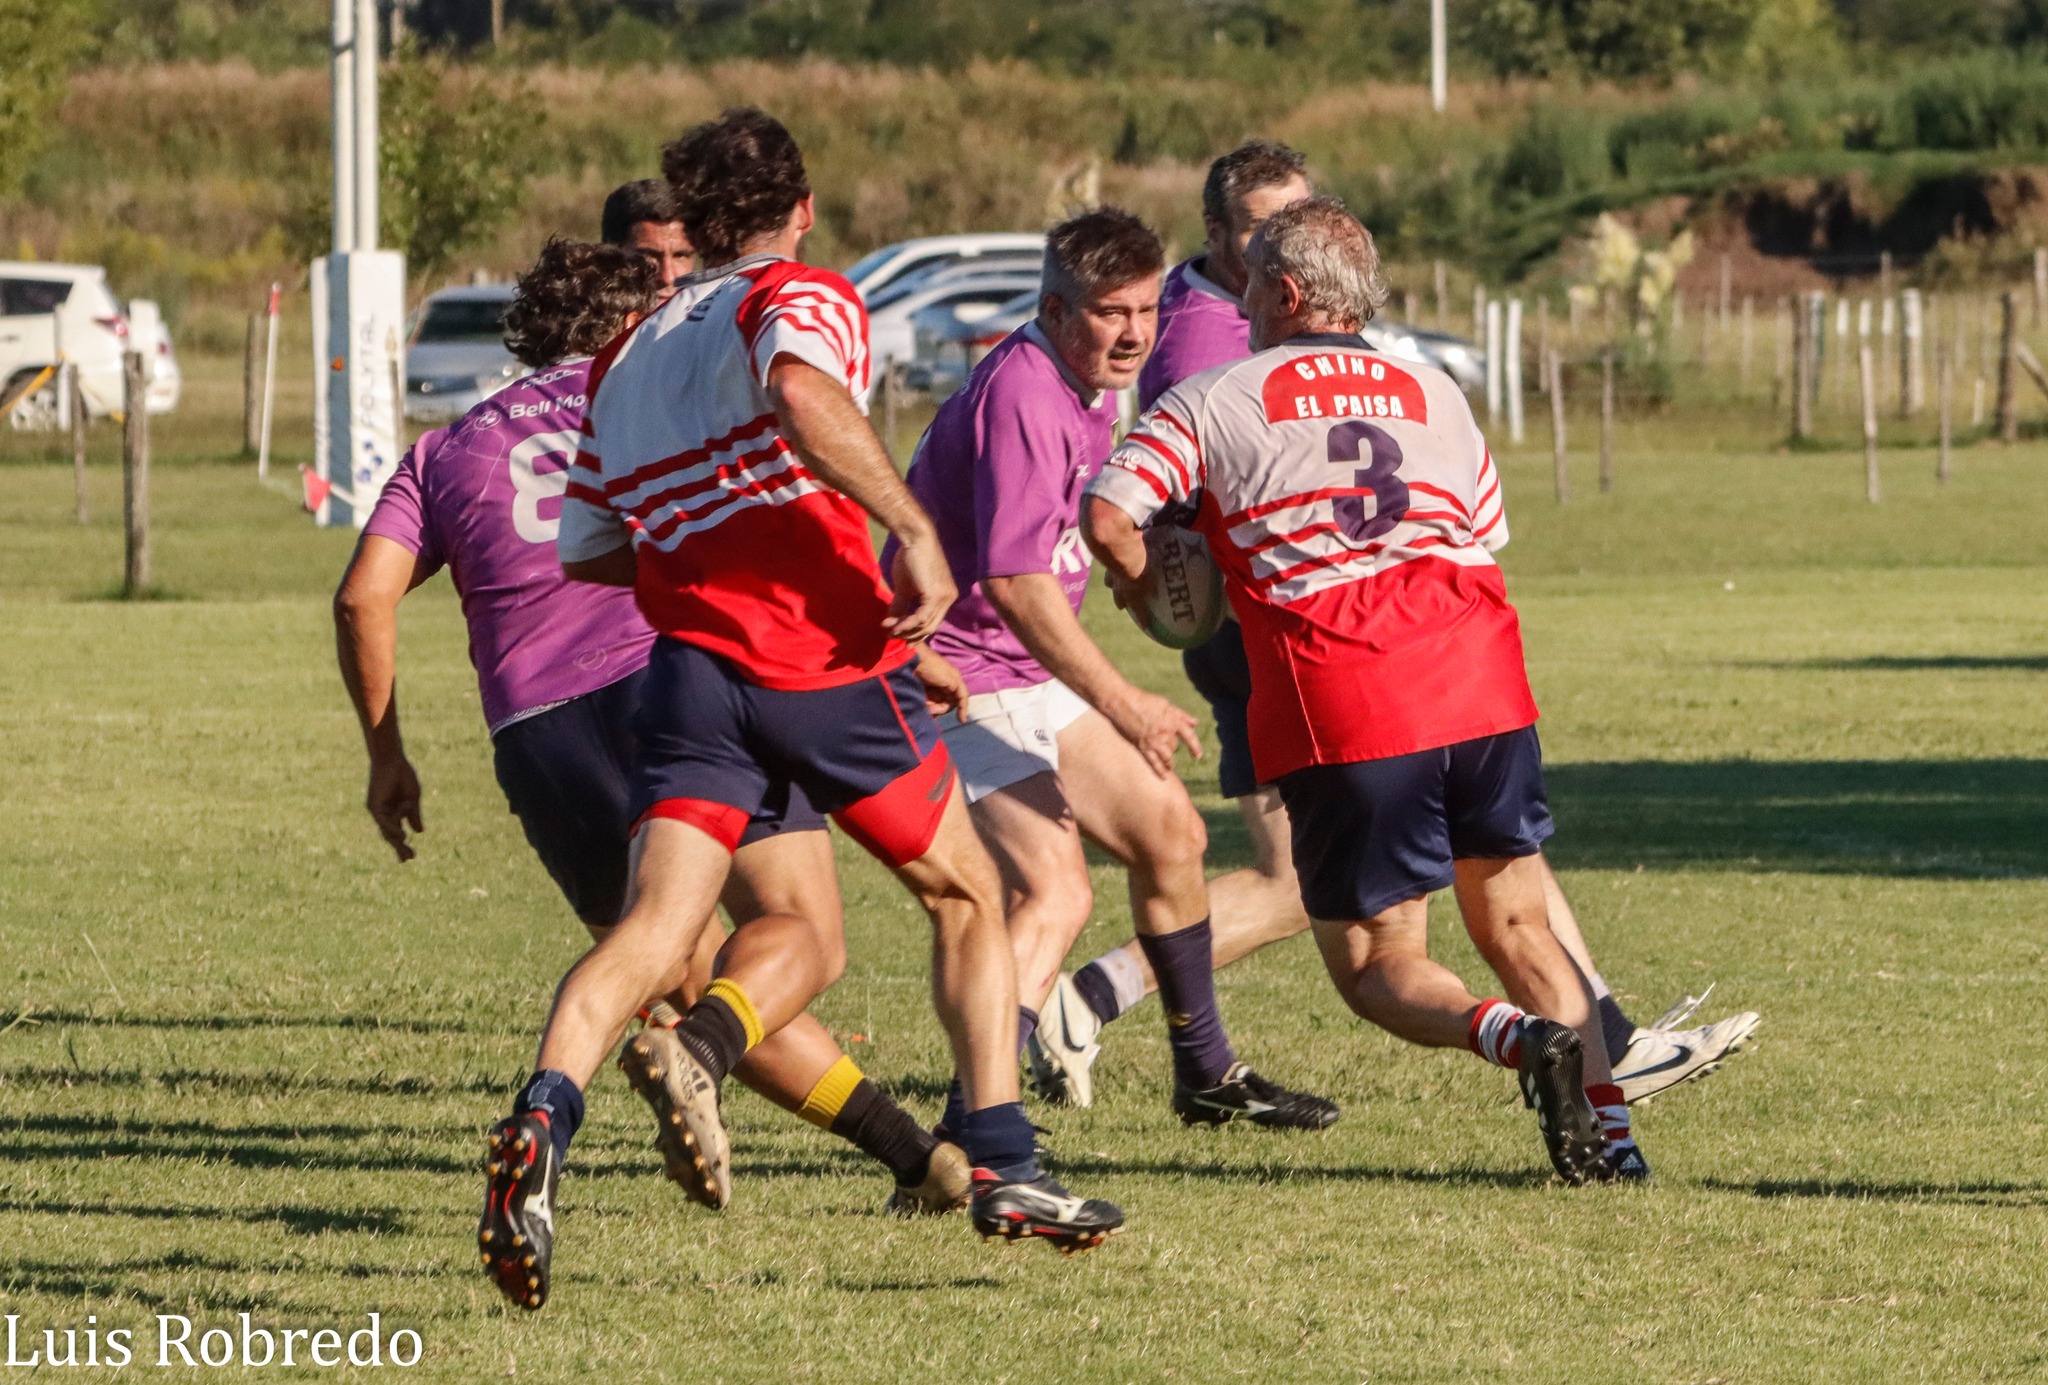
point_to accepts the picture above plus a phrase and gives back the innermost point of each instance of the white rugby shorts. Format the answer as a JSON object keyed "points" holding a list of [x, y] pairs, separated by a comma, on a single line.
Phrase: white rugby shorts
{"points": [[1010, 735]]}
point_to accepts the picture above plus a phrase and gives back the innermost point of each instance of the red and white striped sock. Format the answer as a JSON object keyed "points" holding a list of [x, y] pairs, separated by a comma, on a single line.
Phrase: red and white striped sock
{"points": [[1497, 1033], [1612, 1108]]}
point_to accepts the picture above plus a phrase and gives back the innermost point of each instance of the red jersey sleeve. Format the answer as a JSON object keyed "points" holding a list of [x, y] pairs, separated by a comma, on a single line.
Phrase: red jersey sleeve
{"points": [[811, 314]]}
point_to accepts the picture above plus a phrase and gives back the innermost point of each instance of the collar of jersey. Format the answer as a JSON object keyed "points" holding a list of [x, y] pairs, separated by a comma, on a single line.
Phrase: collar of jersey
{"points": [[1202, 283], [1350, 341], [705, 276], [1035, 334]]}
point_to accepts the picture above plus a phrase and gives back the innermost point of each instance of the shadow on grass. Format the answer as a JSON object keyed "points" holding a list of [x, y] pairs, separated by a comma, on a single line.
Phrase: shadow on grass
{"points": [[221, 1147], [255, 1083], [1913, 663], [304, 1221], [117, 1019], [1933, 819], [912, 1286], [1217, 1171], [112, 1281], [1983, 1194]]}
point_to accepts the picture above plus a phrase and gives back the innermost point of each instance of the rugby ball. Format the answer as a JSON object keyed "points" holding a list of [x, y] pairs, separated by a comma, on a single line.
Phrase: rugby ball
{"points": [[1186, 604]]}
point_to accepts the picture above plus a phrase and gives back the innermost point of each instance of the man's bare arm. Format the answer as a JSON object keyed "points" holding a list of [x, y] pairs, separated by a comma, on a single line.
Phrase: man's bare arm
{"points": [[1035, 607], [366, 645], [833, 438]]}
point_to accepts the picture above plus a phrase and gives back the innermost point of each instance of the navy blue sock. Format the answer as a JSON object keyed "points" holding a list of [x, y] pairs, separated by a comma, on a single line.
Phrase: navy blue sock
{"points": [[956, 1098], [1186, 969], [1001, 1140], [558, 1098], [1093, 985]]}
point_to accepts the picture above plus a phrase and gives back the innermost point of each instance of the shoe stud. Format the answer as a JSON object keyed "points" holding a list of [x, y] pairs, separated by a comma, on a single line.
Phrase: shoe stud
{"points": [[484, 1236], [486, 1259], [527, 1263], [496, 1139], [533, 1281], [518, 1241]]}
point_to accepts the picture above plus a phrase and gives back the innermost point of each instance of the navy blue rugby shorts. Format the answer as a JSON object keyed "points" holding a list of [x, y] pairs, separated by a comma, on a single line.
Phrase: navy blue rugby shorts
{"points": [[1373, 833], [567, 774]]}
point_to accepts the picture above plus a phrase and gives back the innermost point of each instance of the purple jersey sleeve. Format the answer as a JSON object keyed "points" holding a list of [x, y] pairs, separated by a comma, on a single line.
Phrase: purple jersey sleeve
{"points": [[1022, 465], [402, 513]]}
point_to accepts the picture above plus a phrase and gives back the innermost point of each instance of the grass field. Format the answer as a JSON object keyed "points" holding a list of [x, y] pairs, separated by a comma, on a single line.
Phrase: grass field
{"points": [[1797, 750]]}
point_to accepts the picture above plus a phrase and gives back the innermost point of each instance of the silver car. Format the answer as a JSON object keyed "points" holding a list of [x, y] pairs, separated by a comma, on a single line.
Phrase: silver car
{"points": [[455, 356]]}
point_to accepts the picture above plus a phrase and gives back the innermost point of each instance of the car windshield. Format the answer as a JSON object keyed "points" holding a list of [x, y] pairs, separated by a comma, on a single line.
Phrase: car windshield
{"points": [[463, 320], [869, 263], [27, 297]]}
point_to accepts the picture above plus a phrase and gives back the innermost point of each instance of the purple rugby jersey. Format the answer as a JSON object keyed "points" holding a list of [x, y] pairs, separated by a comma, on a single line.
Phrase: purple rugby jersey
{"points": [[484, 498], [1200, 325], [1001, 471]]}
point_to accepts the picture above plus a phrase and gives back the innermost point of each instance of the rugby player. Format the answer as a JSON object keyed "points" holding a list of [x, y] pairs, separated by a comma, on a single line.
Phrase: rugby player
{"points": [[1353, 509], [642, 216], [560, 667], [1202, 324], [727, 474], [1057, 745]]}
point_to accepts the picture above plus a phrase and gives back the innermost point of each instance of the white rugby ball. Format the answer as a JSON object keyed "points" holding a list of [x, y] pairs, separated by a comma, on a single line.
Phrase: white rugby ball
{"points": [[1186, 604]]}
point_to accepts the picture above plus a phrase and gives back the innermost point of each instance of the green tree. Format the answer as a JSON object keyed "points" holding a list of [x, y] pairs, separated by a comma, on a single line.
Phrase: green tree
{"points": [[456, 151], [40, 42], [1609, 38]]}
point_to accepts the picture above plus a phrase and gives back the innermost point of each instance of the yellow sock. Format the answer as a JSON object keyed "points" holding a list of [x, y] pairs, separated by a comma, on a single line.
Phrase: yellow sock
{"points": [[828, 1096], [736, 1000]]}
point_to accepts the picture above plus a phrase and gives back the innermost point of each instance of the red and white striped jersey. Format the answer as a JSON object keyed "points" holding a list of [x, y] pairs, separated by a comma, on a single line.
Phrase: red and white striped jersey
{"points": [[1353, 508], [741, 550]]}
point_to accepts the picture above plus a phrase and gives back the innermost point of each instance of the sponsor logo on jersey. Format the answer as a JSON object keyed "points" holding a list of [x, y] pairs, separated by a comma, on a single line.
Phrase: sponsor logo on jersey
{"points": [[1342, 384]]}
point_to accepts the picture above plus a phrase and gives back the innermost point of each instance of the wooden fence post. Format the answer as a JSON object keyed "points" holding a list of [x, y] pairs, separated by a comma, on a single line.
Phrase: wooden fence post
{"points": [[1607, 422], [1511, 369], [135, 472], [77, 390], [1864, 373], [2008, 342], [1912, 360], [1944, 370], [1802, 369], [1554, 373], [1443, 296], [251, 389]]}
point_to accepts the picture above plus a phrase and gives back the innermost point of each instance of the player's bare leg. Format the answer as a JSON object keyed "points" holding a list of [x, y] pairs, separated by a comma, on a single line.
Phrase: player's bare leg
{"points": [[677, 872], [799, 1067], [974, 988], [1383, 969], [1150, 825], [1249, 908]]}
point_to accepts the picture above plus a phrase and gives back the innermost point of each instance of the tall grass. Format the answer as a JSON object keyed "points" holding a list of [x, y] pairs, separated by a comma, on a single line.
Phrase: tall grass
{"points": [[180, 177]]}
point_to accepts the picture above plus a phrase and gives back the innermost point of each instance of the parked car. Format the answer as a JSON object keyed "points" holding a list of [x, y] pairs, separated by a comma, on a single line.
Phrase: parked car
{"points": [[47, 306], [875, 272], [949, 345], [1014, 263], [893, 332], [455, 356]]}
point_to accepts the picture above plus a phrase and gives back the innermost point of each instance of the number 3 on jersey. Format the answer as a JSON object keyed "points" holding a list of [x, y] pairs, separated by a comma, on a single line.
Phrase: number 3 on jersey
{"points": [[1389, 491]]}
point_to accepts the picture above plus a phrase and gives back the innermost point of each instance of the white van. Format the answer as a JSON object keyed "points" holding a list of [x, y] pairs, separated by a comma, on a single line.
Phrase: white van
{"points": [[45, 308]]}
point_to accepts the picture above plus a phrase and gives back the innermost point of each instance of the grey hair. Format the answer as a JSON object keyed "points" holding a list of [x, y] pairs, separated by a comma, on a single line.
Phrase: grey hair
{"points": [[1328, 254]]}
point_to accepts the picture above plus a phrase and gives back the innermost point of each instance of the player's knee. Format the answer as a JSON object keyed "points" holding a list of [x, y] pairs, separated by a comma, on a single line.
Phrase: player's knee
{"points": [[1176, 839]]}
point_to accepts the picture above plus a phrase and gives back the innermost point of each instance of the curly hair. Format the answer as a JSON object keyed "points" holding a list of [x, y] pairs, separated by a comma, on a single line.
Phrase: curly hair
{"points": [[1259, 163], [575, 298], [1097, 252], [736, 179]]}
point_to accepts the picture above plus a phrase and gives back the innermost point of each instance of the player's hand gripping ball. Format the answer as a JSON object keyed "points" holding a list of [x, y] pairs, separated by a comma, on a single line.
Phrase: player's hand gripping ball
{"points": [[1179, 600]]}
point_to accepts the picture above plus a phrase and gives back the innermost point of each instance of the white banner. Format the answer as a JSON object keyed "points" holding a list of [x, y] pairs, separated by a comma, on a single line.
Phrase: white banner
{"points": [[359, 382]]}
